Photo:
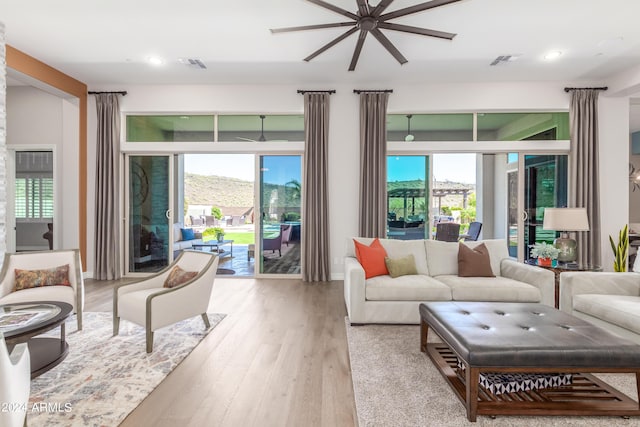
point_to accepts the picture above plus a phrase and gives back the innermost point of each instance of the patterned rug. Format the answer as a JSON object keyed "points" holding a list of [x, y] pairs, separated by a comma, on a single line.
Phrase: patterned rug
{"points": [[395, 384], [104, 378]]}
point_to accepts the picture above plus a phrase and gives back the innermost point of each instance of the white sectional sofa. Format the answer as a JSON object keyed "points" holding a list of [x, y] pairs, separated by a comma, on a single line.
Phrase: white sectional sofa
{"points": [[608, 300], [383, 299]]}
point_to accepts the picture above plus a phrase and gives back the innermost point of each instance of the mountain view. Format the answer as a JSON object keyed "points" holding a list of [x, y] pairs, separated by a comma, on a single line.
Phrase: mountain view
{"points": [[217, 191], [224, 191]]}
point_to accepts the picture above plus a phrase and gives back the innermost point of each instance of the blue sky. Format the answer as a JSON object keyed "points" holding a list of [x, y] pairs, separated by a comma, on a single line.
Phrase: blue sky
{"points": [[459, 167], [282, 169]]}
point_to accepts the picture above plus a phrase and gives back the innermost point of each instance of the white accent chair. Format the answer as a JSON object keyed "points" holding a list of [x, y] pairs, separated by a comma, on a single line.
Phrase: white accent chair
{"points": [[149, 304], [15, 384], [40, 260]]}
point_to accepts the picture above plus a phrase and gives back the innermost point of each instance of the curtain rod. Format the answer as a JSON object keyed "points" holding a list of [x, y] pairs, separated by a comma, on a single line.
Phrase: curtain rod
{"points": [[120, 92], [316, 91], [568, 89], [358, 91]]}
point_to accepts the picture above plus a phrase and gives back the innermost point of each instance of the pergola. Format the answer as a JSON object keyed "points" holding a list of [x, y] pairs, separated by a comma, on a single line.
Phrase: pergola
{"points": [[406, 194], [412, 193], [442, 192]]}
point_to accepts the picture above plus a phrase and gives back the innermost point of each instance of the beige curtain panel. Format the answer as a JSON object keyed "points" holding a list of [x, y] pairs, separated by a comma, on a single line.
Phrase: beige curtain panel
{"points": [[373, 164], [107, 254], [316, 259], [583, 170]]}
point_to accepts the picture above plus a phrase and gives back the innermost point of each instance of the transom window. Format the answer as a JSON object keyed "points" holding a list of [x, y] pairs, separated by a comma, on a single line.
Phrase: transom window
{"points": [[213, 128], [478, 126]]}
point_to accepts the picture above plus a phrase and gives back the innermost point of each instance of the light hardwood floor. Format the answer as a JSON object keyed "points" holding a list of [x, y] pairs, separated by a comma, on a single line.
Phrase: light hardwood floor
{"points": [[279, 358]]}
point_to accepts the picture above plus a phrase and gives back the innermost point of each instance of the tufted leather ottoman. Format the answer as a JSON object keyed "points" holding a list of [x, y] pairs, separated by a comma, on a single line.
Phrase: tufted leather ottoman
{"points": [[527, 338]]}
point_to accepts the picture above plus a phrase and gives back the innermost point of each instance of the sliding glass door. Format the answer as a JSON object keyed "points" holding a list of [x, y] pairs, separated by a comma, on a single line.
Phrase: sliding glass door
{"points": [[545, 186], [534, 182], [407, 197], [149, 212], [515, 209], [280, 214]]}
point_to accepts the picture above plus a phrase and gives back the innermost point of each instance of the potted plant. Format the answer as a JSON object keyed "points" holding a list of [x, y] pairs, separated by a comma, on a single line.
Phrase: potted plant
{"points": [[219, 232], [545, 253], [621, 250]]}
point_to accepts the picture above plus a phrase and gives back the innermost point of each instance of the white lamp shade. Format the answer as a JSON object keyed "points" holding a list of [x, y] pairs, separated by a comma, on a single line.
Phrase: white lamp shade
{"points": [[565, 219]]}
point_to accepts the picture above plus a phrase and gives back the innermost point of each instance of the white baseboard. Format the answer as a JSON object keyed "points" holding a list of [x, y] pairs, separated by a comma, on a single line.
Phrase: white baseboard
{"points": [[87, 274], [337, 276]]}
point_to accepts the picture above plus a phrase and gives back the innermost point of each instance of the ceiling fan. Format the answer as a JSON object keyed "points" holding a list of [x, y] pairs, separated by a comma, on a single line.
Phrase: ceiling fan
{"points": [[261, 138], [371, 19]]}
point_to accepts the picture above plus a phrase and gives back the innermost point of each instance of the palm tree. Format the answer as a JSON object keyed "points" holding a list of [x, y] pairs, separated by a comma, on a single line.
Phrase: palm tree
{"points": [[295, 189]]}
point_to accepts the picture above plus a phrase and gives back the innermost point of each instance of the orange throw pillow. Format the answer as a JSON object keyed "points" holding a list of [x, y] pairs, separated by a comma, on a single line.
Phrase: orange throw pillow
{"points": [[371, 258]]}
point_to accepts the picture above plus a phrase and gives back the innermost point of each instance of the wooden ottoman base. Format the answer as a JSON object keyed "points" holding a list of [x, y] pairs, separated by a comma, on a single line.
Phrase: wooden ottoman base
{"points": [[587, 395]]}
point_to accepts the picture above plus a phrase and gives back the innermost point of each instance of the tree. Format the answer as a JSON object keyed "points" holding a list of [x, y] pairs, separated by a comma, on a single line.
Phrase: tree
{"points": [[216, 212], [292, 193]]}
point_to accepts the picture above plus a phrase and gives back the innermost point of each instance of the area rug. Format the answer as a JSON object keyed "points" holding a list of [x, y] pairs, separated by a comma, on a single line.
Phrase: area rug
{"points": [[104, 378], [395, 384]]}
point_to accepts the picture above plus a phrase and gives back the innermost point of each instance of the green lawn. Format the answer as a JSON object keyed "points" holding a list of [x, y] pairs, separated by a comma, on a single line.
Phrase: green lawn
{"points": [[239, 238]]}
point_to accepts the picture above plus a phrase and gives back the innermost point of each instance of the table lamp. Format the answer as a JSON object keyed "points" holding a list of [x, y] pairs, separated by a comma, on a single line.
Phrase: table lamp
{"points": [[565, 220]]}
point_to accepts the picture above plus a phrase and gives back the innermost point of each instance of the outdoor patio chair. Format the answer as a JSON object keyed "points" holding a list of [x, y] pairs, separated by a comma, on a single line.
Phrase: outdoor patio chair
{"points": [[286, 233], [168, 296], [211, 221], [474, 232], [196, 221], [275, 243], [448, 231]]}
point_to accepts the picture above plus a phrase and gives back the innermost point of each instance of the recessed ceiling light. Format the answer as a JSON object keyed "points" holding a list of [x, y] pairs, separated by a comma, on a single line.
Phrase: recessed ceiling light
{"points": [[155, 60], [554, 54]]}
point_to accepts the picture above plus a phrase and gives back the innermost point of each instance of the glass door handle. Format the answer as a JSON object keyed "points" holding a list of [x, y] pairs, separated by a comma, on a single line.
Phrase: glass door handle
{"points": [[525, 215], [167, 213]]}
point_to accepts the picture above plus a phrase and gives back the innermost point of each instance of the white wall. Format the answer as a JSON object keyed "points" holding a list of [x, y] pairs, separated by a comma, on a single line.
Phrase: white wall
{"points": [[37, 119], [344, 125], [3, 148], [613, 134]]}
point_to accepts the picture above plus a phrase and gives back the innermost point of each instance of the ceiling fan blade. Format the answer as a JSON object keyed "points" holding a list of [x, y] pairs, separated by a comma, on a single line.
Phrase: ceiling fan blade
{"points": [[335, 9], [363, 7], [416, 30], [384, 41], [357, 50], [416, 8], [331, 43], [380, 8], [312, 27]]}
